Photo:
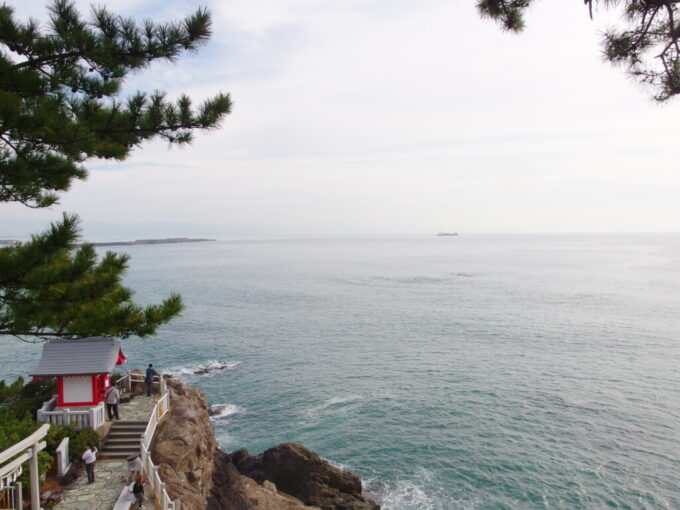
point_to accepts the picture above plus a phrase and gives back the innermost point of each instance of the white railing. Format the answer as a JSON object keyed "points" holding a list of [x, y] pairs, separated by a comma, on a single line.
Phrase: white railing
{"points": [[93, 417], [125, 382], [162, 406], [49, 405], [12, 458], [63, 463]]}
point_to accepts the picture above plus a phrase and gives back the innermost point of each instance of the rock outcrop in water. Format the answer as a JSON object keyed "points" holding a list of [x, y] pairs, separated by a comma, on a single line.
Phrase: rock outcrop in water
{"points": [[302, 473], [202, 477]]}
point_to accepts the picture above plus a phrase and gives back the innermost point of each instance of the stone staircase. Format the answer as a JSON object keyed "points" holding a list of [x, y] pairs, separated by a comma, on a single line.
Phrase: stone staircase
{"points": [[123, 440]]}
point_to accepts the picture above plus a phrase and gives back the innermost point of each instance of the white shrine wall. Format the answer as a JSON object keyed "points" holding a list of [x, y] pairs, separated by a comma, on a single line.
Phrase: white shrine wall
{"points": [[77, 389]]}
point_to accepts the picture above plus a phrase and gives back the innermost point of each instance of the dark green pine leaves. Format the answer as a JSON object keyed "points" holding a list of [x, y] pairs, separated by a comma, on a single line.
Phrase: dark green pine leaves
{"points": [[50, 286], [648, 46], [61, 105]]}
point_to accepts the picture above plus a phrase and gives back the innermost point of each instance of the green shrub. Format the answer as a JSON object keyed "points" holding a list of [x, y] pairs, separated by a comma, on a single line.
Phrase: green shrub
{"points": [[26, 398], [19, 403], [12, 430], [12, 390], [78, 439]]}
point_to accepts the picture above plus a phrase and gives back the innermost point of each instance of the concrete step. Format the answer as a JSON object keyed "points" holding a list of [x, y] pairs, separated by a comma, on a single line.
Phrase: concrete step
{"points": [[115, 455], [128, 429], [121, 442], [129, 424], [124, 435], [119, 448]]}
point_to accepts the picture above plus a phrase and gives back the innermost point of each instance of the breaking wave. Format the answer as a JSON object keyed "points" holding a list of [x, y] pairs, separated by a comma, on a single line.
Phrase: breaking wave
{"points": [[220, 412], [203, 369], [418, 491]]}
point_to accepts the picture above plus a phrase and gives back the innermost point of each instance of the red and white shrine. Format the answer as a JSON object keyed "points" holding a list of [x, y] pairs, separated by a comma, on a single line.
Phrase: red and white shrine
{"points": [[82, 367]]}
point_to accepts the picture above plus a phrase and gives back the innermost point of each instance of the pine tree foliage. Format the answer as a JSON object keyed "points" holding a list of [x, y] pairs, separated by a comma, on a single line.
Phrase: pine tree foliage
{"points": [[50, 287], [61, 105], [648, 47], [60, 98]]}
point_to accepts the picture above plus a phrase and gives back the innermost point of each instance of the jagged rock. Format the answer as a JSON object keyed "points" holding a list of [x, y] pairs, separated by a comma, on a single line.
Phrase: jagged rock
{"points": [[302, 473], [183, 447], [196, 472], [237, 492], [212, 368], [217, 409]]}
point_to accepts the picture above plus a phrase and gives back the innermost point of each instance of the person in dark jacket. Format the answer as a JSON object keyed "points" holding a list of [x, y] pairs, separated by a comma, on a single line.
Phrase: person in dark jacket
{"points": [[150, 373], [138, 491]]}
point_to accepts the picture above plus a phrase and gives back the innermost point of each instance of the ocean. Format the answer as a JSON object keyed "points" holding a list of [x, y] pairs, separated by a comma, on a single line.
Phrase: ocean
{"points": [[471, 372]]}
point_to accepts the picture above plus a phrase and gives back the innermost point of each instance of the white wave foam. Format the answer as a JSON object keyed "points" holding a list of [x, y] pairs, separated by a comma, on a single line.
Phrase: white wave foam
{"points": [[406, 495], [203, 369], [420, 491], [338, 404], [220, 412], [339, 465]]}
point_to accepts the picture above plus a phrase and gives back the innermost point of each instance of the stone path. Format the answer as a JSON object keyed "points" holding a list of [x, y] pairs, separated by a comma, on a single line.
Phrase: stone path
{"points": [[103, 493], [138, 409]]}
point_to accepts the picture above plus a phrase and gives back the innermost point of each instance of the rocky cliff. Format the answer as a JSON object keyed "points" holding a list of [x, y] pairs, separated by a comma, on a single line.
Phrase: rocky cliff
{"points": [[202, 477]]}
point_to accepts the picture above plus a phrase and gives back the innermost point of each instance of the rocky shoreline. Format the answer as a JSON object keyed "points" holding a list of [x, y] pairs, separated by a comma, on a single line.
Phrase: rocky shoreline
{"points": [[202, 477]]}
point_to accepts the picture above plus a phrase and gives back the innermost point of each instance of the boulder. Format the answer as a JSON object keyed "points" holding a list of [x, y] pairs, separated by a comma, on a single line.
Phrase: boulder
{"points": [[196, 472], [301, 473], [237, 492]]}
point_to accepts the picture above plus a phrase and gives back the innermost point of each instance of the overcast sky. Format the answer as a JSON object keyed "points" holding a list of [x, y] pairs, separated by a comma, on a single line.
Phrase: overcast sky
{"points": [[364, 117]]}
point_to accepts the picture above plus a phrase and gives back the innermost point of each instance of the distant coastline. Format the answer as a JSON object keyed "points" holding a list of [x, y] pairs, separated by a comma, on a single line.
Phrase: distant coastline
{"points": [[169, 240]]}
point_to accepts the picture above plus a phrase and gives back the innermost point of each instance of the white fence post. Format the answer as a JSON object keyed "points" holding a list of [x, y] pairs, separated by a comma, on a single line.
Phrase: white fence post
{"points": [[35, 480], [63, 463], [18, 495]]}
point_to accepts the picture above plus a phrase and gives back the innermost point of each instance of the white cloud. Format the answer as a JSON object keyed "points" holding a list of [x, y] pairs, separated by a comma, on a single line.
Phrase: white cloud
{"points": [[375, 116]]}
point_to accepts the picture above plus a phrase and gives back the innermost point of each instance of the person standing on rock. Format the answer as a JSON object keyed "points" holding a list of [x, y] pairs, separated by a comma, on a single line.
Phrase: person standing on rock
{"points": [[112, 397], [150, 373], [89, 458]]}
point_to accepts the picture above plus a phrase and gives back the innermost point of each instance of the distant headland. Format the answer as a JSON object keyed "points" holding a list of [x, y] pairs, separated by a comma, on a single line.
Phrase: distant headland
{"points": [[169, 240]]}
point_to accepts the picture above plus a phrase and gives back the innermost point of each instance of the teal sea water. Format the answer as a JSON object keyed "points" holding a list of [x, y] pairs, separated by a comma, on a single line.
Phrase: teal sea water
{"points": [[478, 372]]}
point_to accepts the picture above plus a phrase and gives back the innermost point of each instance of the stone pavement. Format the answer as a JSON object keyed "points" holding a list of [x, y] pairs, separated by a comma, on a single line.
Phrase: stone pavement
{"points": [[103, 493], [138, 409]]}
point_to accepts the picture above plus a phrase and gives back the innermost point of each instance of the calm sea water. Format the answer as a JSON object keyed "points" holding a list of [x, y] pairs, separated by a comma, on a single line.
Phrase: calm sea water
{"points": [[478, 372]]}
